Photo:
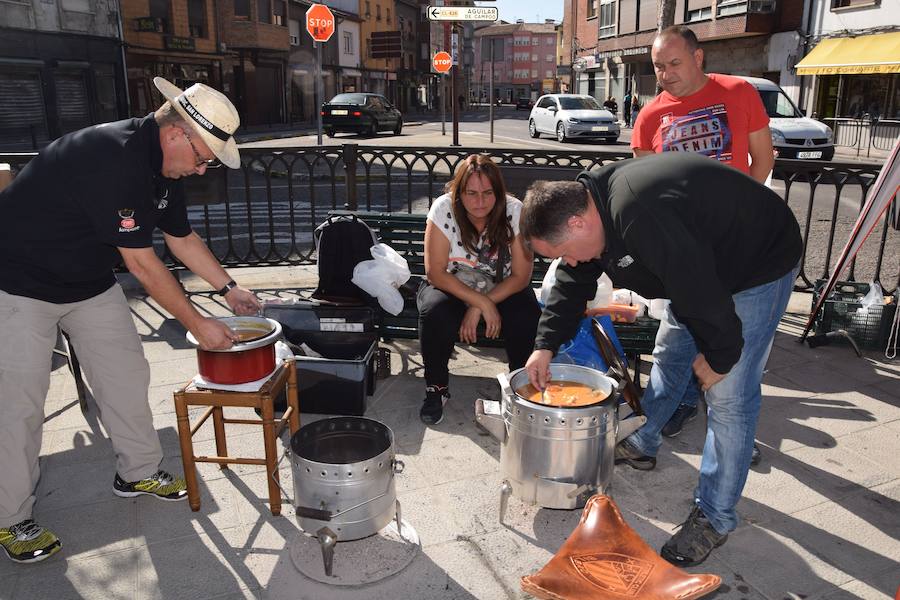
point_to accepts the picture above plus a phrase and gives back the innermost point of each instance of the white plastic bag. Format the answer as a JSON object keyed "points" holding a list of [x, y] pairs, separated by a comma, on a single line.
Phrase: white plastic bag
{"points": [[875, 297], [381, 276], [549, 280], [601, 298], [393, 265], [629, 298], [604, 294]]}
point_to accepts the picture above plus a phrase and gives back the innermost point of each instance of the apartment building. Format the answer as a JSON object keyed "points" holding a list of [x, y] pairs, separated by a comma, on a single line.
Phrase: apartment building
{"points": [[610, 41], [525, 59]]}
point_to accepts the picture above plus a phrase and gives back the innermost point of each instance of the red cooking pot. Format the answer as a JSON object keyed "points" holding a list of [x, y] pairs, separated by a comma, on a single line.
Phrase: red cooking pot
{"points": [[247, 360]]}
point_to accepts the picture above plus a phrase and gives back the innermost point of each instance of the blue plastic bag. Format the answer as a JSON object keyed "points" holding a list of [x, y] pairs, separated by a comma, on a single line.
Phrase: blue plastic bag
{"points": [[582, 349]]}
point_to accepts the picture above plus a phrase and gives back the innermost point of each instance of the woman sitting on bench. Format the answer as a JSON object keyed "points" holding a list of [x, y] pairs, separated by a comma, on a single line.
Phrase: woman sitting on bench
{"points": [[478, 269]]}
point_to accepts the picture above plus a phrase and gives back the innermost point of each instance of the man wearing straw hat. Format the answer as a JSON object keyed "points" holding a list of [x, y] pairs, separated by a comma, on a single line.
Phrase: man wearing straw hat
{"points": [[87, 202]]}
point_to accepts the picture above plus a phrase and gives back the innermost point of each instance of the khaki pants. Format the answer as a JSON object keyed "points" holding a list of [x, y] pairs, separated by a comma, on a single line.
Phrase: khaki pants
{"points": [[104, 336]]}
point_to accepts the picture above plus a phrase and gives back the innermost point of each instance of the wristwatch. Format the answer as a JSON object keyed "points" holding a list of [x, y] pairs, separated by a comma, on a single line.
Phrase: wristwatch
{"points": [[227, 287]]}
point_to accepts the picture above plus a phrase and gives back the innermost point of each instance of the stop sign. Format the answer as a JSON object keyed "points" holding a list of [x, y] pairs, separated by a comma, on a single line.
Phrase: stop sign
{"points": [[442, 62], [320, 22]]}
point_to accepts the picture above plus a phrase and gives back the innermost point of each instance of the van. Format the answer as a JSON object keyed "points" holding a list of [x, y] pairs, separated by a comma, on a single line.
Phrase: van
{"points": [[793, 134]]}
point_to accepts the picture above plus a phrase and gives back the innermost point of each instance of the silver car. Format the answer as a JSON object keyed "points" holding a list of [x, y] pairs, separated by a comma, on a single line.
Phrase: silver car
{"points": [[569, 116]]}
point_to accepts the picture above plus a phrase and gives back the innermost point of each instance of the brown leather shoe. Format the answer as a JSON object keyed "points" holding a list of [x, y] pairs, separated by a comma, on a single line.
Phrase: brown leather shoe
{"points": [[605, 559]]}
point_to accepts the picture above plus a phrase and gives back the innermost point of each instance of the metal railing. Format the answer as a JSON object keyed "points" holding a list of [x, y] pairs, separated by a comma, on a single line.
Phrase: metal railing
{"points": [[265, 212], [864, 135]]}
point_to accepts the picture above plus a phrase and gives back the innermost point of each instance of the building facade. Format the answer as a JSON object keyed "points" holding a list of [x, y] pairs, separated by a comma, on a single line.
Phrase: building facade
{"points": [[525, 60], [177, 40], [61, 69], [851, 69], [341, 62], [611, 45]]}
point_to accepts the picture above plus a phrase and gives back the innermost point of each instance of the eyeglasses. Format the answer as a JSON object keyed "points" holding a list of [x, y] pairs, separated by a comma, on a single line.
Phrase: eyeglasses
{"points": [[211, 163]]}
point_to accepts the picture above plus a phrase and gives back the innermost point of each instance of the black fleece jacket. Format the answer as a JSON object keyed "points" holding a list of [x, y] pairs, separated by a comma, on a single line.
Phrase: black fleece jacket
{"points": [[683, 227]]}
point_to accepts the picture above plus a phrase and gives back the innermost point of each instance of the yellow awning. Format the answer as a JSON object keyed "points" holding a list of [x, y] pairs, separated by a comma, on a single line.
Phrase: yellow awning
{"points": [[863, 55]]}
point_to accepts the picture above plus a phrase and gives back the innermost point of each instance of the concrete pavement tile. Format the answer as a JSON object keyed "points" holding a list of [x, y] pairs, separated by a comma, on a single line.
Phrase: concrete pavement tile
{"points": [[198, 568], [891, 385], [787, 483], [165, 521], [75, 446], [821, 377], [784, 356], [817, 420], [450, 571], [69, 486], [882, 587], [395, 392], [8, 585], [777, 388], [112, 575], [450, 458], [442, 512], [814, 551], [880, 444], [93, 529], [776, 565], [869, 369]]}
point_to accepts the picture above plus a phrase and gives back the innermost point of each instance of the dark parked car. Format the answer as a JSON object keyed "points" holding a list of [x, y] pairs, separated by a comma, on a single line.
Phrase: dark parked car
{"points": [[524, 102], [360, 113]]}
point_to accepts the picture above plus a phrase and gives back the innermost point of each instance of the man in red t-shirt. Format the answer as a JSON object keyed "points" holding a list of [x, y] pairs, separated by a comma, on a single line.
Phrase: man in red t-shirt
{"points": [[719, 116]]}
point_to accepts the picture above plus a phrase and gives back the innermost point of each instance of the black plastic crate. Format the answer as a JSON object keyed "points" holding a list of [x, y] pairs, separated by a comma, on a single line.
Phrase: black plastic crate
{"points": [[869, 329], [340, 381]]}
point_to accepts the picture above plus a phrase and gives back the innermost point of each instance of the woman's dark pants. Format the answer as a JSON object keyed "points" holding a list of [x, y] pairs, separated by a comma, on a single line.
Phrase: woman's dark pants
{"points": [[440, 316]]}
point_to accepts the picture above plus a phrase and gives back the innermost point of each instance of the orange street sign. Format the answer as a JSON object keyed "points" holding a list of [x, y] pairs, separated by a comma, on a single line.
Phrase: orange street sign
{"points": [[442, 62], [320, 22]]}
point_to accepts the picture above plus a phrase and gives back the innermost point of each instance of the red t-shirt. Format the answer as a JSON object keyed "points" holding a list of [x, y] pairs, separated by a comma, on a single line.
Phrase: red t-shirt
{"points": [[714, 121]]}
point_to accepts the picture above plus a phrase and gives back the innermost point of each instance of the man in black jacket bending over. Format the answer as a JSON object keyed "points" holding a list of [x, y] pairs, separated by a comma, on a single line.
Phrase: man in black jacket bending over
{"points": [[725, 250]]}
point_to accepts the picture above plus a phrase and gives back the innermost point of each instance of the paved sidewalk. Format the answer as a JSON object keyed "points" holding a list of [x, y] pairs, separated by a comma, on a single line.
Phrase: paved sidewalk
{"points": [[820, 513]]}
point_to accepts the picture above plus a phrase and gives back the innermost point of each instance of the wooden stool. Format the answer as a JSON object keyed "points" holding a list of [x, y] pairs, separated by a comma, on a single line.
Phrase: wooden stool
{"points": [[285, 376]]}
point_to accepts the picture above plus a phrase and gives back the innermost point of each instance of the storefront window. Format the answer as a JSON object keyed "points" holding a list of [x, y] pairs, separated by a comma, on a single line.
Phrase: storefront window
{"points": [[861, 96]]}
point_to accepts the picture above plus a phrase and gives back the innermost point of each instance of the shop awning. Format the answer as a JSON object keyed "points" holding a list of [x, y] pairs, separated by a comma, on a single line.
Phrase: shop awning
{"points": [[350, 73], [862, 55]]}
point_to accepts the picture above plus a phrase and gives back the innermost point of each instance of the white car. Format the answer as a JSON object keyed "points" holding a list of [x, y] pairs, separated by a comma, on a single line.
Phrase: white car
{"points": [[569, 116], [793, 135]]}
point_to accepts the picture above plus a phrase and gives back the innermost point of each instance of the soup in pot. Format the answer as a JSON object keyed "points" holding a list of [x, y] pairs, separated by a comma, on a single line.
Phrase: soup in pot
{"points": [[246, 335], [563, 394]]}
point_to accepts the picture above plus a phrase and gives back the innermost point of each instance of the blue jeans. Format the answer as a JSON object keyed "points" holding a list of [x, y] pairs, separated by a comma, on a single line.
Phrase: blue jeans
{"points": [[733, 403]]}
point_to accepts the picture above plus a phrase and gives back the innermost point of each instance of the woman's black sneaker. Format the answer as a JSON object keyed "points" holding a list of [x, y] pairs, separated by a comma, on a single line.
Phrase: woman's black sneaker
{"points": [[432, 411]]}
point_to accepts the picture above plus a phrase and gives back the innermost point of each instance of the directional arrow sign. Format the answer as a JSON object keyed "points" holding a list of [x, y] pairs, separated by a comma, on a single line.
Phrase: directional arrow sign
{"points": [[463, 13]]}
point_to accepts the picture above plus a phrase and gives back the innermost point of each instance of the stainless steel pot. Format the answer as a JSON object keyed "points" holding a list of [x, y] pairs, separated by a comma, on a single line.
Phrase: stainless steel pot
{"points": [[555, 456], [343, 470]]}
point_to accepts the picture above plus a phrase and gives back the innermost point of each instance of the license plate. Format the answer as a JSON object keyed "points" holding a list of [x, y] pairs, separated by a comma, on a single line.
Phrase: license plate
{"points": [[339, 111], [809, 154], [600, 128]]}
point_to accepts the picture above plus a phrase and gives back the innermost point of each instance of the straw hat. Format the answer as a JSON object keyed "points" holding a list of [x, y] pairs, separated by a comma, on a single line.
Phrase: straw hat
{"points": [[210, 113]]}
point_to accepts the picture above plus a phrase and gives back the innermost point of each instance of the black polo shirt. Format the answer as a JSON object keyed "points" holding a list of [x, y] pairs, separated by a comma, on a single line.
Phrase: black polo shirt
{"points": [[85, 195]]}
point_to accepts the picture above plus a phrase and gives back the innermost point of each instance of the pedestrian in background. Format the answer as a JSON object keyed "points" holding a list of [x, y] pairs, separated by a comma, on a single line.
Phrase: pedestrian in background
{"points": [[626, 108]]}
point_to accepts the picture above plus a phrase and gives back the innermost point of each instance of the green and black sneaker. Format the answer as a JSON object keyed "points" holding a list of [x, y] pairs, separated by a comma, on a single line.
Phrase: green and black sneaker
{"points": [[28, 542], [160, 485]]}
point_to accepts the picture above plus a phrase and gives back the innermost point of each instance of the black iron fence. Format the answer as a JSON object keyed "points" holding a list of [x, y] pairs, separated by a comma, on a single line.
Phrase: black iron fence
{"points": [[265, 212]]}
